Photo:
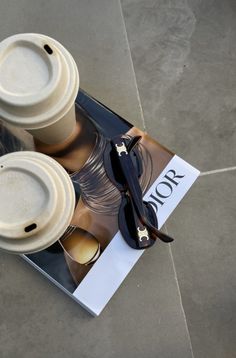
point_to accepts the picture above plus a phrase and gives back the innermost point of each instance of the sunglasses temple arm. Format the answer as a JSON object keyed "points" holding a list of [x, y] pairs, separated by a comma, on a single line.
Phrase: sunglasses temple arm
{"points": [[162, 236], [137, 197], [133, 142]]}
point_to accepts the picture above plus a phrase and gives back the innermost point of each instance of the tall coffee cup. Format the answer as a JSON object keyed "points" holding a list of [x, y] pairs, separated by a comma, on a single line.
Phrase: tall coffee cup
{"points": [[39, 81], [37, 202]]}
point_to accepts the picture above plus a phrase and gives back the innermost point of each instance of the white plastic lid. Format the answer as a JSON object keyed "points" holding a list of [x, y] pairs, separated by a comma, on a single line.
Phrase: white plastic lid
{"points": [[39, 80], [37, 202]]}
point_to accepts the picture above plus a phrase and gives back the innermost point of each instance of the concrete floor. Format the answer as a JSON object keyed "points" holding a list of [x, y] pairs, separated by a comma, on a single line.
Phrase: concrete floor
{"points": [[169, 67]]}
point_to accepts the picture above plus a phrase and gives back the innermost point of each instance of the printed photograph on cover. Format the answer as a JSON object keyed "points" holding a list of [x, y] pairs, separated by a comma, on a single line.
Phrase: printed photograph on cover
{"points": [[95, 220]]}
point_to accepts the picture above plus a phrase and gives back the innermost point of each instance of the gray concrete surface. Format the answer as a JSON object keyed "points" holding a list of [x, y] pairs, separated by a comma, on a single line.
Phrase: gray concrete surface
{"points": [[145, 317], [204, 257], [184, 59], [183, 56]]}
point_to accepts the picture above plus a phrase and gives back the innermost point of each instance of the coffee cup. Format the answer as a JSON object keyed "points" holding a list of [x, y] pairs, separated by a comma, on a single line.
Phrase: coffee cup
{"points": [[37, 202], [39, 82]]}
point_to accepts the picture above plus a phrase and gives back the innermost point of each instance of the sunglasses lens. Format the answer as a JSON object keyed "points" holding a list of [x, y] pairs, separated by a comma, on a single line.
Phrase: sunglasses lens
{"points": [[134, 233], [116, 169], [113, 168]]}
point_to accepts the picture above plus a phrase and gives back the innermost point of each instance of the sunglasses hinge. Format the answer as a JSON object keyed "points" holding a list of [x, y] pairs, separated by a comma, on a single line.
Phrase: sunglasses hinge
{"points": [[142, 234], [121, 148]]}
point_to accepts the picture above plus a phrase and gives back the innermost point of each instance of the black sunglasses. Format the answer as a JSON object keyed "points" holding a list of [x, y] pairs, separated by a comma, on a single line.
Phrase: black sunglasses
{"points": [[137, 219]]}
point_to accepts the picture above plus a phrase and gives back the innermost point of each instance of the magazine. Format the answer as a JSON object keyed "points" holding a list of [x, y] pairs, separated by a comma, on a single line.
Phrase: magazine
{"points": [[164, 178]]}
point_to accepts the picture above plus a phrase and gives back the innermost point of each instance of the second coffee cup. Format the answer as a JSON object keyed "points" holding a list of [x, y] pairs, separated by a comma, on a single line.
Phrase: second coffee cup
{"points": [[37, 202], [39, 82]]}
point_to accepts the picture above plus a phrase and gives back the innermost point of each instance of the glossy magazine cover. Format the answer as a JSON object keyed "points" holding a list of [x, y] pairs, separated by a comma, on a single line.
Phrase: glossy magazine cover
{"points": [[92, 259]]}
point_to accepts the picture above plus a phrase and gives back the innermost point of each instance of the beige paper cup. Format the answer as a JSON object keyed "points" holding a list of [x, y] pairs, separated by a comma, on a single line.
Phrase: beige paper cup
{"points": [[39, 82], [37, 202]]}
